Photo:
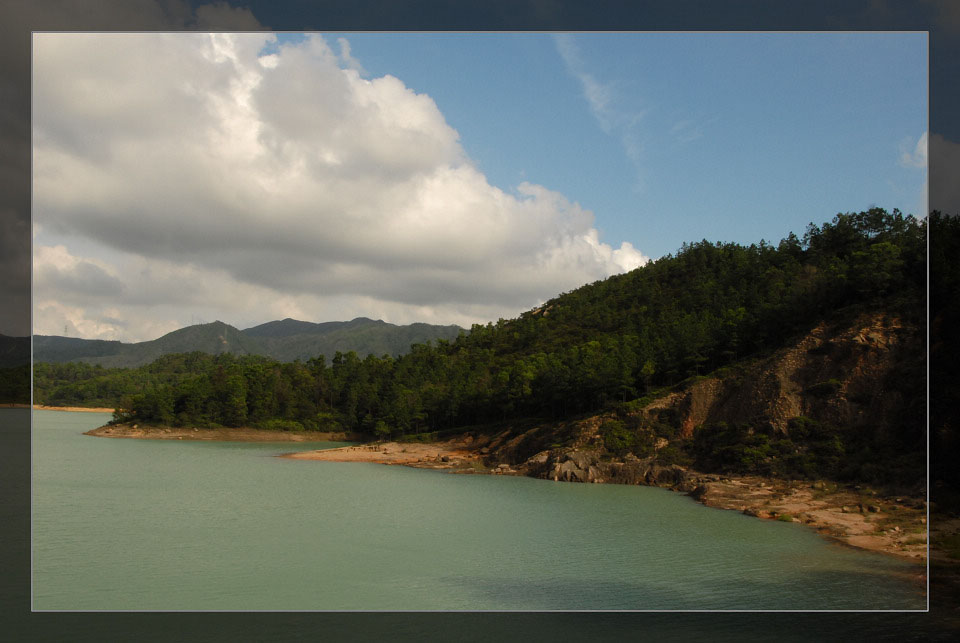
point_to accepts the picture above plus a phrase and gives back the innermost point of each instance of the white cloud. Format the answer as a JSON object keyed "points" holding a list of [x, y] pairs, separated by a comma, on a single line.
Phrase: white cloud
{"points": [[227, 179], [158, 296], [916, 157], [599, 95], [348, 61], [602, 98]]}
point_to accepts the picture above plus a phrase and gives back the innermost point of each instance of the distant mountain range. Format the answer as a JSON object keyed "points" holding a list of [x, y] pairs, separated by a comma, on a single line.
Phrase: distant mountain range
{"points": [[285, 340]]}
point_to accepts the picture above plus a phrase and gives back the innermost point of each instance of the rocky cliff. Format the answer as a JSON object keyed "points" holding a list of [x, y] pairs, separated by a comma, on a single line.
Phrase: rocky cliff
{"points": [[853, 374], [864, 374]]}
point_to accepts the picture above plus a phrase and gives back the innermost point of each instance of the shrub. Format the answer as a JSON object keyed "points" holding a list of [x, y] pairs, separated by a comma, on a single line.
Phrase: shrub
{"points": [[823, 389], [617, 439], [671, 454], [328, 422], [382, 430], [281, 425]]}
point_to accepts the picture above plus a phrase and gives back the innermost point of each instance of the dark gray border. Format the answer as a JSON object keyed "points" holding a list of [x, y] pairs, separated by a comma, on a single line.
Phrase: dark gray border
{"points": [[20, 17]]}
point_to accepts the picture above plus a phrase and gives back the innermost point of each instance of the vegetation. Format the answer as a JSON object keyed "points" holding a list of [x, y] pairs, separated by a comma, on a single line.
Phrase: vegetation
{"points": [[602, 345], [810, 450]]}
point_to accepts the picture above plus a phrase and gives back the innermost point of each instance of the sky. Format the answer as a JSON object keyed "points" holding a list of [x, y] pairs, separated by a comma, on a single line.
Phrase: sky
{"points": [[442, 178]]}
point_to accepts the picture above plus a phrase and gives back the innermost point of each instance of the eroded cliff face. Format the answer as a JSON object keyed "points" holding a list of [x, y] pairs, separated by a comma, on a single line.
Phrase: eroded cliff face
{"points": [[850, 375], [865, 374]]}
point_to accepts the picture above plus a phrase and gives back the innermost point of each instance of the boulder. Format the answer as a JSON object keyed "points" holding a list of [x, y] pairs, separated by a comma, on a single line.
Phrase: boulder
{"points": [[539, 458]]}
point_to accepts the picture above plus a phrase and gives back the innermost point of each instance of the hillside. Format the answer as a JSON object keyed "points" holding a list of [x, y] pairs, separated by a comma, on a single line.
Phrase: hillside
{"points": [[290, 339], [284, 340], [720, 311], [844, 400], [214, 338], [54, 348]]}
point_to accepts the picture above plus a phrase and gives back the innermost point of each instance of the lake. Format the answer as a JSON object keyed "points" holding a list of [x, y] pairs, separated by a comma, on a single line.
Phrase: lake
{"points": [[123, 524]]}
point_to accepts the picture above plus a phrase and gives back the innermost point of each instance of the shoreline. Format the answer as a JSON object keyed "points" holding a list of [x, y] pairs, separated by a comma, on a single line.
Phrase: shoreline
{"points": [[73, 409], [238, 434], [453, 455], [893, 526]]}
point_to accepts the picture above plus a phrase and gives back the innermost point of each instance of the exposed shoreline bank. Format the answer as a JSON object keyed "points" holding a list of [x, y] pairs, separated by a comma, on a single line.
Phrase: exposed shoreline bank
{"points": [[239, 434]]}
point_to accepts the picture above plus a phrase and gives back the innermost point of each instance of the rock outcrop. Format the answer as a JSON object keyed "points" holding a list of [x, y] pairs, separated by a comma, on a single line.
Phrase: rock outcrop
{"points": [[853, 374]]}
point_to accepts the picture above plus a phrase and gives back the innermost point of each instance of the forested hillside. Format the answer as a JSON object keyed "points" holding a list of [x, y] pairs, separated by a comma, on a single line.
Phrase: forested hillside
{"points": [[289, 339], [612, 341]]}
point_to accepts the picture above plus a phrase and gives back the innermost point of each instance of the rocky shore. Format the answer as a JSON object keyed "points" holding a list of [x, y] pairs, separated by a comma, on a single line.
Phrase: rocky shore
{"points": [[860, 518]]}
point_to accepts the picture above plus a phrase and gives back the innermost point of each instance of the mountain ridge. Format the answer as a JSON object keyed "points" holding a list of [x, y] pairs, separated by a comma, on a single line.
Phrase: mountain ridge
{"points": [[285, 340]]}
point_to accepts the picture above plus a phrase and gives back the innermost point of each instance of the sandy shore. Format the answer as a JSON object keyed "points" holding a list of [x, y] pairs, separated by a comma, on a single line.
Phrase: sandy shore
{"points": [[74, 409], [239, 434], [452, 454]]}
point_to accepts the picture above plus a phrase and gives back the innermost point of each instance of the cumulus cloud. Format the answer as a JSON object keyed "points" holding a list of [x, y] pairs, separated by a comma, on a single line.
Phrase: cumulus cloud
{"points": [[347, 60], [136, 298], [285, 177]]}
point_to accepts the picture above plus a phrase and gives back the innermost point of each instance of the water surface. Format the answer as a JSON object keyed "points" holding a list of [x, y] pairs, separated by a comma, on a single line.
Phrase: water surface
{"points": [[124, 524]]}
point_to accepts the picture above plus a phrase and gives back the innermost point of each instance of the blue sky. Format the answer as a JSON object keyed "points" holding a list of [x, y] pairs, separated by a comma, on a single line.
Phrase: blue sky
{"points": [[439, 178], [723, 136]]}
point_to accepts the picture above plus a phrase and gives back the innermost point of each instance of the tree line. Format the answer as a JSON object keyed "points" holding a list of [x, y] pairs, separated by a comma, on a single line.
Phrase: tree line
{"points": [[683, 315]]}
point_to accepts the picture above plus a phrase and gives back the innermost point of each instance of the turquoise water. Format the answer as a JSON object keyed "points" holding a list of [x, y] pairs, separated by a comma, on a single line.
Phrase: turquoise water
{"points": [[172, 525]]}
